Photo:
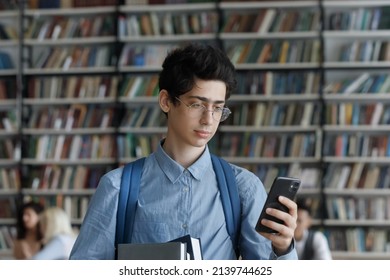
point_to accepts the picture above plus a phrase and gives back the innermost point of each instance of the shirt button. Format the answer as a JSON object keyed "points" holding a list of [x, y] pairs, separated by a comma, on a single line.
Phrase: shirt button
{"points": [[184, 226], [186, 189]]}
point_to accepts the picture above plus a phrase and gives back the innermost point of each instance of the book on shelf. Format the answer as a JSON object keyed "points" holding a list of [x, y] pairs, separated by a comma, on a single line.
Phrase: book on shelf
{"points": [[176, 249]]}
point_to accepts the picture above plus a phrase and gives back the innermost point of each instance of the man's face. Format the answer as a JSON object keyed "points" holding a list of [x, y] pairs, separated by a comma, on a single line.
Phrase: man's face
{"points": [[194, 127]]}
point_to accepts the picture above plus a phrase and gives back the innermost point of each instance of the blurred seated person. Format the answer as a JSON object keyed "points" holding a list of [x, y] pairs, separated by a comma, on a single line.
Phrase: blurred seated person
{"points": [[29, 237], [311, 244], [58, 235]]}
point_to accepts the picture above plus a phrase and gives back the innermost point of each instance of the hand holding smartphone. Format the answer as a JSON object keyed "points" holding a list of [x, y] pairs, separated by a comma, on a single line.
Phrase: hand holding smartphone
{"points": [[282, 186]]}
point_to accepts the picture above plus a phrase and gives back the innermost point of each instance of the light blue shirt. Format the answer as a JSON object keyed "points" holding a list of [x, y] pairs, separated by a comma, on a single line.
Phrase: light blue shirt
{"points": [[58, 248], [174, 201]]}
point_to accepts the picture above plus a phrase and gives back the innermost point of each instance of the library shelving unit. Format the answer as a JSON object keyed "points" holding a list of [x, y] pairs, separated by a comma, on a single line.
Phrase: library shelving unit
{"points": [[356, 128], [275, 126], [69, 103], [10, 181], [81, 99]]}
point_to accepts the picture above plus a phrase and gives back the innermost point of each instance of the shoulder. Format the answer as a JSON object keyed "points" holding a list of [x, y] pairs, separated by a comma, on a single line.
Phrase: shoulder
{"points": [[111, 178], [61, 240], [319, 236], [247, 182]]}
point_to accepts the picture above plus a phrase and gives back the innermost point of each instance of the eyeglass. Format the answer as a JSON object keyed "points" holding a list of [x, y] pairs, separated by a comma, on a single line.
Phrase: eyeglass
{"points": [[197, 109]]}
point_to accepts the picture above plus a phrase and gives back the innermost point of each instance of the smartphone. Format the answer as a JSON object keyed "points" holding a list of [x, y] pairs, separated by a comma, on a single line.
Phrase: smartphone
{"points": [[282, 186]]}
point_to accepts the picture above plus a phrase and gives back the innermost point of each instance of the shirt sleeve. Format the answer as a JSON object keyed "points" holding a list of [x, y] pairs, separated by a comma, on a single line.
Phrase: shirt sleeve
{"points": [[253, 246], [321, 247], [55, 249], [96, 239]]}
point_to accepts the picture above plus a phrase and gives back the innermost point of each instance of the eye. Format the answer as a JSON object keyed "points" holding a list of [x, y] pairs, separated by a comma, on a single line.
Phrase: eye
{"points": [[218, 109], [196, 106]]}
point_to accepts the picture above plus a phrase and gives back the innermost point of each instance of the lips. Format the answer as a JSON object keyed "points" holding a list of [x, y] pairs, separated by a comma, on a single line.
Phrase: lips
{"points": [[203, 133]]}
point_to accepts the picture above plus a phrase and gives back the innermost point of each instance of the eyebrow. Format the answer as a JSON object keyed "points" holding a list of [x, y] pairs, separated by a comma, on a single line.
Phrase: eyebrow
{"points": [[207, 100]]}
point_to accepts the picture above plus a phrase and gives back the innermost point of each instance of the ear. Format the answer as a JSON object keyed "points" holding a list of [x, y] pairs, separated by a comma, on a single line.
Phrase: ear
{"points": [[164, 101]]}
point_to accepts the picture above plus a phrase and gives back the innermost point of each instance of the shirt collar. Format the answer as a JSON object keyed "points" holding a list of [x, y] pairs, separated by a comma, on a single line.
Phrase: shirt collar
{"points": [[173, 170]]}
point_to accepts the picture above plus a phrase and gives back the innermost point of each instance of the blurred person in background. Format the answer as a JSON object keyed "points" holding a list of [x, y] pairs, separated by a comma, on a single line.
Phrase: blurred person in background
{"points": [[29, 237], [311, 244], [58, 235]]}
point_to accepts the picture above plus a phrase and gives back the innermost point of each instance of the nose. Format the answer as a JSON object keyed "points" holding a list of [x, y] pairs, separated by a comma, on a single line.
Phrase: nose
{"points": [[207, 116]]}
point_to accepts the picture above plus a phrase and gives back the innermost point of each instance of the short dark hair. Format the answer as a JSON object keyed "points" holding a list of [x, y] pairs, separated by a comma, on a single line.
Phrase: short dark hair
{"points": [[302, 205], [206, 62]]}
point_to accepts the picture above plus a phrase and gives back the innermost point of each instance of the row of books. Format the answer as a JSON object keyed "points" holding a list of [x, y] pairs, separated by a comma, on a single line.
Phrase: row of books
{"points": [[74, 116], [8, 5], [363, 18], [73, 57], [132, 145], [358, 208], [7, 236], [359, 239], [356, 145], [59, 147], [8, 32], [274, 113], [274, 51], [7, 148], [59, 27], [145, 116], [276, 83], [362, 83], [367, 50], [156, 24], [10, 179], [149, 55], [139, 85], [357, 175], [310, 175], [157, 2], [357, 114], [8, 207], [53, 4], [74, 206], [267, 146], [6, 61], [7, 88], [8, 121], [272, 20], [101, 86], [248, 83], [10, 149], [54, 177]]}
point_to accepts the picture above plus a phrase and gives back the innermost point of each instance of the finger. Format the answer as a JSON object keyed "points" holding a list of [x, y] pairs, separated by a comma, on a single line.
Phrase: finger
{"points": [[290, 204]]}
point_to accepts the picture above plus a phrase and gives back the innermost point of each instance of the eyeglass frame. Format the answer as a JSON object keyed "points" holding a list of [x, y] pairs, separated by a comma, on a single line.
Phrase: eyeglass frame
{"points": [[225, 111]]}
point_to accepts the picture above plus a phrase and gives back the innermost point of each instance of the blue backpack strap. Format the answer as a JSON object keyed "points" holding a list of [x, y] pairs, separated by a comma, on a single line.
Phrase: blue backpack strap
{"points": [[127, 201], [230, 197]]}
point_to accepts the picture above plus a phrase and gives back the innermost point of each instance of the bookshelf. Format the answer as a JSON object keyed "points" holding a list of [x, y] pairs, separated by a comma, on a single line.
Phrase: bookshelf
{"points": [[84, 78], [10, 149], [275, 128], [356, 188], [69, 102]]}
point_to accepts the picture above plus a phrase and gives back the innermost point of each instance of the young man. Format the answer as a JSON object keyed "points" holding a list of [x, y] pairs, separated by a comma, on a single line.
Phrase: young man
{"points": [[311, 244], [179, 194]]}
